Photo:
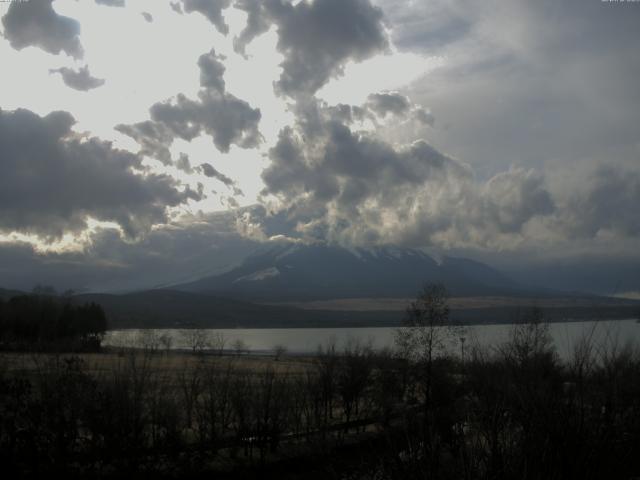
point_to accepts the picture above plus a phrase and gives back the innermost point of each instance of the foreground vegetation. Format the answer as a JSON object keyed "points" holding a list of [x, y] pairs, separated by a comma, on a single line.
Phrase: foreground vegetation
{"points": [[512, 411]]}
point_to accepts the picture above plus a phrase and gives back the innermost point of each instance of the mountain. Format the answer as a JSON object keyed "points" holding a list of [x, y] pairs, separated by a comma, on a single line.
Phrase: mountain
{"points": [[318, 271]]}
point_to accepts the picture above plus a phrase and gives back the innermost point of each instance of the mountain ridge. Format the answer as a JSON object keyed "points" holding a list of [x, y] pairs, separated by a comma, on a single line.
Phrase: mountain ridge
{"points": [[320, 271]]}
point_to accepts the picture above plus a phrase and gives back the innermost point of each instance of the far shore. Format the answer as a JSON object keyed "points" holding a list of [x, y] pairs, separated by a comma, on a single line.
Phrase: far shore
{"points": [[459, 303]]}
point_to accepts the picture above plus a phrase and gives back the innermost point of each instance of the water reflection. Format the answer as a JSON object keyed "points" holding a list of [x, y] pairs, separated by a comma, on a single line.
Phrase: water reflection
{"points": [[565, 336]]}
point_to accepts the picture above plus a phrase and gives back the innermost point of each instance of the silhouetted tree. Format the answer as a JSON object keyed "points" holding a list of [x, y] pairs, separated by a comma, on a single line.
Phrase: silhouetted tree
{"points": [[424, 335]]}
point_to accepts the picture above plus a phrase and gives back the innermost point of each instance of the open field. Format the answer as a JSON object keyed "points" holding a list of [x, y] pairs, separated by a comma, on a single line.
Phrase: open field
{"points": [[169, 363]]}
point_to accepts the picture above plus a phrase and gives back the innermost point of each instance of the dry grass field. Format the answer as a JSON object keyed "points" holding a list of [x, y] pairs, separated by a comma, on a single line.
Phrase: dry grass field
{"points": [[171, 363], [456, 303]]}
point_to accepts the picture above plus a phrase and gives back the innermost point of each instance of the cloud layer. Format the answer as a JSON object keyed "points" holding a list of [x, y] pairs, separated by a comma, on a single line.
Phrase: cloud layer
{"points": [[226, 118], [176, 252], [52, 181], [334, 182], [316, 38]]}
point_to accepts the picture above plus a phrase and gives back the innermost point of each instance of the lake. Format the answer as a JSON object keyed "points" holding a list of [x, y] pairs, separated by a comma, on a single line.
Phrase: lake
{"points": [[306, 340]]}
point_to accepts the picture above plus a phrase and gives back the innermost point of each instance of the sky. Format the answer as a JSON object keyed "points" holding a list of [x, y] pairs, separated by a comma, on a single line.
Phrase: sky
{"points": [[148, 142]]}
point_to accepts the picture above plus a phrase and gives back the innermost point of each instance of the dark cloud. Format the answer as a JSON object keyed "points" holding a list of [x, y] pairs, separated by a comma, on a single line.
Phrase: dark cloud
{"points": [[79, 79], [197, 246], [181, 251], [395, 104], [330, 181], [606, 200], [230, 202], [35, 23], [211, 172], [51, 181], [258, 22], [316, 38], [212, 71], [183, 163], [226, 118], [388, 103], [513, 197], [338, 184], [212, 9], [392, 114], [154, 139], [147, 16], [350, 166], [505, 89], [111, 3]]}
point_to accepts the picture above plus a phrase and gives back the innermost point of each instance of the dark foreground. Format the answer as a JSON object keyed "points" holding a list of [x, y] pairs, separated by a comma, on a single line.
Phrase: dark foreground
{"points": [[513, 412]]}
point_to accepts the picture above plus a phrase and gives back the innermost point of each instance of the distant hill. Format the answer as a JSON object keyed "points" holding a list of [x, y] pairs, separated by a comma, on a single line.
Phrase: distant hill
{"points": [[175, 309], [7, 294], [317, 272]]}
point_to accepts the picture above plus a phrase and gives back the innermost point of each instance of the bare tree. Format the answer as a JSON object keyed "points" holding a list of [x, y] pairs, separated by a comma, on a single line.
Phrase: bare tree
{"points": [[240, 346], [427, 327], [279, 351], [149, 340], [197, 339], [190, 383], [326, 367], [529, 338], [218, 342], [166, 340], [353, 376], [424, 335], [214, 406]]}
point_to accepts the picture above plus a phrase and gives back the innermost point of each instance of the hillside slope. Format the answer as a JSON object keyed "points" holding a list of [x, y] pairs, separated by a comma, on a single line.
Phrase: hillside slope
{"points": [[315, 272]]}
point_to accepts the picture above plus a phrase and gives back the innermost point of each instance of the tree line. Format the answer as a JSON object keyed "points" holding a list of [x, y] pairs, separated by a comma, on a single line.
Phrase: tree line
{"points": [[46, 321]]}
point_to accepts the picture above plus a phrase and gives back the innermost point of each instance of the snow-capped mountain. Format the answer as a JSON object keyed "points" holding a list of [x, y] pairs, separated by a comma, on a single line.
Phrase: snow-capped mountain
{"points": [[313, 272]]}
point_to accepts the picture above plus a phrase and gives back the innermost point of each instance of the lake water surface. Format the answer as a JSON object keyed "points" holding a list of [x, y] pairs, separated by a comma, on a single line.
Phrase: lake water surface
{"points": [[306, 340]]}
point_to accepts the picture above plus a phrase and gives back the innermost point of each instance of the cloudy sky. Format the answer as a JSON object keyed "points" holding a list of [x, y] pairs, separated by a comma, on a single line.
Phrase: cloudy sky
{"points": [[144, 142]]}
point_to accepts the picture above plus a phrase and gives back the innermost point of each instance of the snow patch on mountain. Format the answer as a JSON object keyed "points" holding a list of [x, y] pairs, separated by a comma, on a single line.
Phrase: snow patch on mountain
{"points": [[357, 252], [287, 251], [259, 275], [391, 252]]}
